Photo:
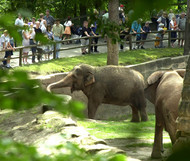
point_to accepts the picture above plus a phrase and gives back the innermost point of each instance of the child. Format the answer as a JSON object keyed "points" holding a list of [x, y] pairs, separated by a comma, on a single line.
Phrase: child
{"points": [[6, 42], [159, 36], [146, 29]]}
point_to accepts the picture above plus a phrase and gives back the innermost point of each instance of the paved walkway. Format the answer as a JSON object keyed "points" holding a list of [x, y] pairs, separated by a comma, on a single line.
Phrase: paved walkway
{"points": [[77, 52]]}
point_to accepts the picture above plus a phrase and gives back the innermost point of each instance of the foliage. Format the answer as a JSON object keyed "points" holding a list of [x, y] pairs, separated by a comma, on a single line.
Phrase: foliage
{"points": [[10, 150], [125, 58], [19, 92]]}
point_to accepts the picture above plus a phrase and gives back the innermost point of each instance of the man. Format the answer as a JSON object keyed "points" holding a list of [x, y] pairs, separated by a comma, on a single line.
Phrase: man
{"points": [[49, 19], [181, 25], [58, 31], [37, 32], [19, 21]]}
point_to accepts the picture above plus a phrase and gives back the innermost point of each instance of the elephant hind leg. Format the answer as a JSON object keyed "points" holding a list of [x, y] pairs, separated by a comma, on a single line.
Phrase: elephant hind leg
{"points": [[140, 104], [158, 136], [135, 115], [170, 126]]}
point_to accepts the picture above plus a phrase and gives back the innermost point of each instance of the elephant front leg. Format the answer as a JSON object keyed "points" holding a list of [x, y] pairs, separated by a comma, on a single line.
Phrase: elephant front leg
{"points": [[135, 115], [158, 145], [92, 108]]}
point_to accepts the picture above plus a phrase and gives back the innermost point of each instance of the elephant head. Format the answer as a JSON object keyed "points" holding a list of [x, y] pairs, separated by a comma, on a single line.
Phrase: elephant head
{"points": [[79, 78]]}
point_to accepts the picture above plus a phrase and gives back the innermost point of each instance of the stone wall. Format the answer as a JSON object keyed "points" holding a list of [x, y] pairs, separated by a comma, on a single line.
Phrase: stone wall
{"points": [[118, 112]]}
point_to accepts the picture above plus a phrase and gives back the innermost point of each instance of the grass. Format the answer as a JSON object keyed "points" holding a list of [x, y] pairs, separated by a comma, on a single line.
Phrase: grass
{"points": [[121, 129], [125, 58]]}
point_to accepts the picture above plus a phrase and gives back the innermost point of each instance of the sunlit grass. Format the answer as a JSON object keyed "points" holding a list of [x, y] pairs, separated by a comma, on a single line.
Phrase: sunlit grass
{"points": [[125, 58], [121, 129]]}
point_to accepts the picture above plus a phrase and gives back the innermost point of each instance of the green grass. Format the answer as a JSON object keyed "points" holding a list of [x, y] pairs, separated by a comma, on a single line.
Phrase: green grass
{"points": [[125, 58], [121, 129]]}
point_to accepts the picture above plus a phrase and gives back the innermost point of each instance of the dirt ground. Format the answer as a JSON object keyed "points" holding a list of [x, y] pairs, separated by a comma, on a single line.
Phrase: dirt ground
{"points": [[19, 127]]}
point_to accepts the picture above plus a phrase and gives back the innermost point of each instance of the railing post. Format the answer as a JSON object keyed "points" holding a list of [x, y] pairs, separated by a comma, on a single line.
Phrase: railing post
{"points": [[169, 38], [130, 42], [89, 46], [54, 50], [20, 56]]}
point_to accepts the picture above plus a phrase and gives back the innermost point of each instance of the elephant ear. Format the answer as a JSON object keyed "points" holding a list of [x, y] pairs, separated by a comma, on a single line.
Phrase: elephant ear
{"points": [[181, 72], [89, 79], [151, 86], [154, 77]]}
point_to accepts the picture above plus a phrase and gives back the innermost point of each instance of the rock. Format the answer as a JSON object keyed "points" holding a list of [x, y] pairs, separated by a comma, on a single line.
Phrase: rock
{"points": [[55, 119]]}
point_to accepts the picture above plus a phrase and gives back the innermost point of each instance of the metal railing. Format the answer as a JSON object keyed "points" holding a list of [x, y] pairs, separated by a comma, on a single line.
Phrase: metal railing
{"points": [[129, 42]]}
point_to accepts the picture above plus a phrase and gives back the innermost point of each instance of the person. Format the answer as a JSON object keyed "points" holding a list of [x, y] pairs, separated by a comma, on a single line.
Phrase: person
{"points": [[19, 21], [38, 31], [171, 14], [123, 32], [162, 19], [173, 27], [49, 47], [25, 42], [33, 22], [43, 23], [5, 40], [159, 42], [32, 39], [68, 25], [181, 26], [49, 19], [86, 31], [95, 39], [135, 28], [146, 29], [58, 31]]}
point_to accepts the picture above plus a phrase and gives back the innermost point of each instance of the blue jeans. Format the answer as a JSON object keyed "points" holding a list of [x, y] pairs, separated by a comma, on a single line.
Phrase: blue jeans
{"points": [[58, 45]]}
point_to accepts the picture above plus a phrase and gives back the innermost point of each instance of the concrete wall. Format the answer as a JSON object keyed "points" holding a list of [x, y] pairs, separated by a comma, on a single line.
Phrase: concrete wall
{"points": [[119, 112]]}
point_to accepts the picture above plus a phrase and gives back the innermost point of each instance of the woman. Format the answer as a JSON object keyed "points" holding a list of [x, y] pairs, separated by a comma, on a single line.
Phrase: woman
{"points": [[173, 27], [67, 25], [136, 28], [49, 47], [25, 42], [43, 23]]}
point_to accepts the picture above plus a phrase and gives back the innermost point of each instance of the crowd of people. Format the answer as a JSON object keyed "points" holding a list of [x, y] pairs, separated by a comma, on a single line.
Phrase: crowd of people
{"points": [[54, 30], [163, 23]]}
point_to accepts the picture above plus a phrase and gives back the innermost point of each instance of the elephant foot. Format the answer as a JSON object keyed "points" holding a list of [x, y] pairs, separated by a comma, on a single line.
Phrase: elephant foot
{"points": [[135, 120], [156, 155], [144, 118]]}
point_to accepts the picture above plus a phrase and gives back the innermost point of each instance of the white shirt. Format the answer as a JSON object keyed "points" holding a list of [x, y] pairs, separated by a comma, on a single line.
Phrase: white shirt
{"points": [[170, 15], [5, 39], [19, 22], [32, 33], [68, 23]]}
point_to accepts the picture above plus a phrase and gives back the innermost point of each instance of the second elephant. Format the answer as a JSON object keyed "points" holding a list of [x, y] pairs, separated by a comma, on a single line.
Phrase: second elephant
{"points": [[164, 91], [110, 84]]}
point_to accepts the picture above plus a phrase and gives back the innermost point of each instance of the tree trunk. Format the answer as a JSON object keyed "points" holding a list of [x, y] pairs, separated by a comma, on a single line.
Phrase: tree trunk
{"points": [[82, 11], [183, 120], [113, 50], [187, 31]]}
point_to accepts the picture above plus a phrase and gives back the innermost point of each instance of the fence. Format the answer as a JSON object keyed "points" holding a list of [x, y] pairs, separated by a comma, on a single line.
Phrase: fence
{"points": [[20, 49]]}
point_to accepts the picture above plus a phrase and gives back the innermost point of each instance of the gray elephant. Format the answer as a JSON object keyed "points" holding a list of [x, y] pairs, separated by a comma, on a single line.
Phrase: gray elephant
{"points": [[110, 85], [164, 91]]}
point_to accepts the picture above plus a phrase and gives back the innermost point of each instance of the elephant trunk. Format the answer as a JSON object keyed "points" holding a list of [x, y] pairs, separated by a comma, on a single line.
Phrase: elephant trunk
{"points": [[65, 82]]}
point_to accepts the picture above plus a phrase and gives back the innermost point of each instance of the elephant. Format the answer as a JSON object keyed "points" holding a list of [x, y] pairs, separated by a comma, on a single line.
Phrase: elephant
{"points": [[108, 84], [164, 91]]}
